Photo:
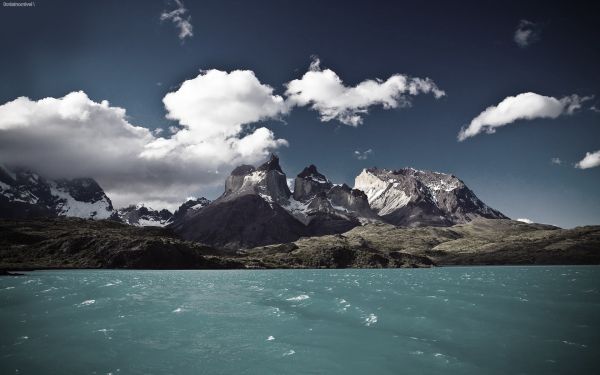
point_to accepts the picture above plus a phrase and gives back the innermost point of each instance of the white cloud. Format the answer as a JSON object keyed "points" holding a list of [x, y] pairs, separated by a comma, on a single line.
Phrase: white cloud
{"points": [[75, 136], [527, 32], [363, 155], [591, 160], [526, 106], [525, 220], [325, 92], [180, 20], [556, 161]]}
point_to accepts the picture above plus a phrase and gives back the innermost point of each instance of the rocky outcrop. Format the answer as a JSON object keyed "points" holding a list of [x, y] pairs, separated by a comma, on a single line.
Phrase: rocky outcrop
{"points": [[479, 242], [79, 243]]}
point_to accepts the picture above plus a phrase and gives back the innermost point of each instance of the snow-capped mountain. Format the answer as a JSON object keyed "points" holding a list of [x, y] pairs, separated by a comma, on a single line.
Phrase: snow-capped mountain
{"points": [[410, 197], [142, 216], [189, 207], [24, 194]]}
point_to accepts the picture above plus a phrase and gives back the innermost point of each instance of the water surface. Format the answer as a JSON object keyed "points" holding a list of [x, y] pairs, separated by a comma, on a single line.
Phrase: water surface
{"points": [[463, 320]]}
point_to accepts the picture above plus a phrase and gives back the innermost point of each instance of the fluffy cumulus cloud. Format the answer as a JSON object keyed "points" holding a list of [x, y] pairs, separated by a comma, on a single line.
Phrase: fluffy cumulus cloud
{"points": [[179, 19], [325, 92], [527, 33], [556, 161], [591, 160], [526, 106], [364, 155], [76, 136]]}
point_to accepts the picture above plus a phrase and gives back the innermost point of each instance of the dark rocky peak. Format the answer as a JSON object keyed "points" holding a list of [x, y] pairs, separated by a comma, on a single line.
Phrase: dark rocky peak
{"points": [[268, 181], [310, 182], [271, 165], [311, 171], [190, 206]]}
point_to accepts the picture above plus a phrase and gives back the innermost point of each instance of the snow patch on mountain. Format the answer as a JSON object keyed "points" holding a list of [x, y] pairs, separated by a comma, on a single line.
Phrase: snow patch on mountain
{"points": [[69, 206]]}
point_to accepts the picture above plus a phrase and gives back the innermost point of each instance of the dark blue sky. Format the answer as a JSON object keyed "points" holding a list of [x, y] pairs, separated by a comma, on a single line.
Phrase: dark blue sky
{"points": [[121, 51]]}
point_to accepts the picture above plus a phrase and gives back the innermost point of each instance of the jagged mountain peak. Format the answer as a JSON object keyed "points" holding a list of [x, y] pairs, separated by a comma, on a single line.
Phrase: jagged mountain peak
{"points": [[268, 181], [311, 171], [271, 165], [310, 182]]}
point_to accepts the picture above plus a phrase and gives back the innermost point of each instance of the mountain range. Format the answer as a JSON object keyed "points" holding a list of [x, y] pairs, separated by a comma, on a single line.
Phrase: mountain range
{"points": [[258, 208], [391, 218]]}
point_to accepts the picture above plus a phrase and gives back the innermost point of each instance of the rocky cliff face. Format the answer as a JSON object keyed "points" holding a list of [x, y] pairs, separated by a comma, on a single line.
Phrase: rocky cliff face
{"points": [[410, 197], [309, 183], [24, 194], [268, 181]]}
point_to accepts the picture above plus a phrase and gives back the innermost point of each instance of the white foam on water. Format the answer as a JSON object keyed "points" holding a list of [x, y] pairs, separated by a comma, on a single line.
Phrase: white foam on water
{"points": [[417, 352], [370, 320], [289, 352], [87, 302], [574, 344], [301, 297], [9, 287], [177, 310], [270, 338]]}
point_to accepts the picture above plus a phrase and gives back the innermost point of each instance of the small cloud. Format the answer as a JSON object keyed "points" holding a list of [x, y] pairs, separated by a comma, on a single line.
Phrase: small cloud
{"points": [[525, 220], [556, 161], [591, 160], [158, 131], [525, 106], [595, 109], [158, 84], [527, 33], [363, 155], [180, 20]]}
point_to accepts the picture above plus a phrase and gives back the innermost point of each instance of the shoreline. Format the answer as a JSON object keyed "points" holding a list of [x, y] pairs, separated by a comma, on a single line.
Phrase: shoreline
{"points": [[17, 271]]}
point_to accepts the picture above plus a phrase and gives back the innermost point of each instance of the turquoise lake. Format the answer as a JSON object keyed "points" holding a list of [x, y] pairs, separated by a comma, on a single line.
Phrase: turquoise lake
{"points": [[458, 320]]}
